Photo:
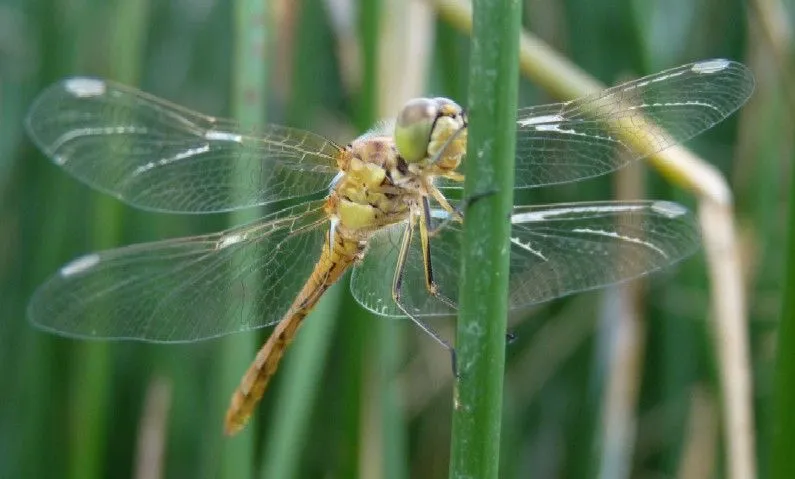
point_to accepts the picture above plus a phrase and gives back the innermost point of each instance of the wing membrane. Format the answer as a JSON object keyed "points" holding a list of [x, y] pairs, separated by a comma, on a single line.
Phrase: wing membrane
{"points": [[159, 156], [590, 136], [371, 282], [556, 250], [186, 289], [597, 134], [566, 248]]}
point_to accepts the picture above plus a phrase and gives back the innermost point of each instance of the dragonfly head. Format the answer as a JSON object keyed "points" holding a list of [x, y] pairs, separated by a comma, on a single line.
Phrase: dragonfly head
{"points": [[424, 129]]}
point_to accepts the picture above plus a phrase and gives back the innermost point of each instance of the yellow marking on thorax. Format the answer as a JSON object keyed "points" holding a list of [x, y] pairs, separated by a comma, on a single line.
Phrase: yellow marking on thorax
{"points": [[364, 198]]}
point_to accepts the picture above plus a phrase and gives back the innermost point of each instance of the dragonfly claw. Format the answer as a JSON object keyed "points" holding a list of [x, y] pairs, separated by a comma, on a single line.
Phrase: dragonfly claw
{"points": [[471, 200], [510, 337]]}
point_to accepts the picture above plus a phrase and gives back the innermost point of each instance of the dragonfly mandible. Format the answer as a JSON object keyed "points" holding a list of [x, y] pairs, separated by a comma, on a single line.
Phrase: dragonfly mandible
{"points": [[377, 204]]}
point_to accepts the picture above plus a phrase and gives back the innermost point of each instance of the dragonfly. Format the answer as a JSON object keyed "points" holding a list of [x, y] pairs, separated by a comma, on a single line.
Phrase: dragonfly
{"points": [[378, 205]]}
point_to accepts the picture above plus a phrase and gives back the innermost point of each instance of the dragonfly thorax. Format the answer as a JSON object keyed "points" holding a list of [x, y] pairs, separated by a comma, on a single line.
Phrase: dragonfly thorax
{"points": [[376, 188]]}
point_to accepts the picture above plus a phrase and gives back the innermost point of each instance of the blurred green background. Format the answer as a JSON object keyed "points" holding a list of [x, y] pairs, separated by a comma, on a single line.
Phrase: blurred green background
{"points": [[361, 396]]}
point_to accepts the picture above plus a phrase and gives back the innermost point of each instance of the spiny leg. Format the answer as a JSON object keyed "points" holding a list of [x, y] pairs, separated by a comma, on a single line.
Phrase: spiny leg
{"points": [[427, 230], [456, 213], [425, 233], [430, 283], [441, 199], [397, 285]]}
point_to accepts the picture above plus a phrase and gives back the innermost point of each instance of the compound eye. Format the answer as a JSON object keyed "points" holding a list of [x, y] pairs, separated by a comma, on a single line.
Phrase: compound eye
{"points": [[413, 128]]}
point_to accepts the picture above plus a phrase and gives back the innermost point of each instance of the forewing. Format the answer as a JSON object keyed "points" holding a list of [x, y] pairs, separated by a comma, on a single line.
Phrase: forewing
{"points": [[556, 250], [186, 289], [597, 134], [159, 156], [590, 136]]}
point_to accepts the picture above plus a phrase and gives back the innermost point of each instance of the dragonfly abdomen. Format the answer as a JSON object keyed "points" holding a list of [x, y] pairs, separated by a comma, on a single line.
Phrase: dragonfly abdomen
{"points": [[336, 258]]}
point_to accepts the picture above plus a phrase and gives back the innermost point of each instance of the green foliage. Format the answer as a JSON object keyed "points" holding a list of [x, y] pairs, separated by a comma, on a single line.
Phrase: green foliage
{"points": [[783, 417]]}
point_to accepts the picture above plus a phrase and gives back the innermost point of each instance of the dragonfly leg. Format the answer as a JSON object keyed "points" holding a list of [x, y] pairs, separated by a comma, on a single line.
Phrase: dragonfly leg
{"points": [[442, 200], [397, 285], [425, 235], [427, 231], [510, 337], [456, 212], [433, 288]]}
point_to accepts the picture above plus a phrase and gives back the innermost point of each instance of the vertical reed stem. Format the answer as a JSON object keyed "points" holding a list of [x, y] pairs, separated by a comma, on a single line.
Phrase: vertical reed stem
{"points": [[493, 83]]}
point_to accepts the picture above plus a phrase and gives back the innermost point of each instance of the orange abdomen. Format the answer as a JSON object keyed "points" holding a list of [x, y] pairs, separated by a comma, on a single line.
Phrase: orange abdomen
{"points": [[329, 268]]}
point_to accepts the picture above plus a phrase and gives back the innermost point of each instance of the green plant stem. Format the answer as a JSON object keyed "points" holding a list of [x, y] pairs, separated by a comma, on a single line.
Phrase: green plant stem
{"points": [[781, 464], [480, 343], [249, 87]]}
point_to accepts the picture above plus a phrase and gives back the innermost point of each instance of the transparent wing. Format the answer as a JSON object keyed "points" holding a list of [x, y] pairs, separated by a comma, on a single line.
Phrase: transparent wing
{"points": [[371, 282], [563, 249], [596, 134], [158, 156], [186, 289], [556, 250]]}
